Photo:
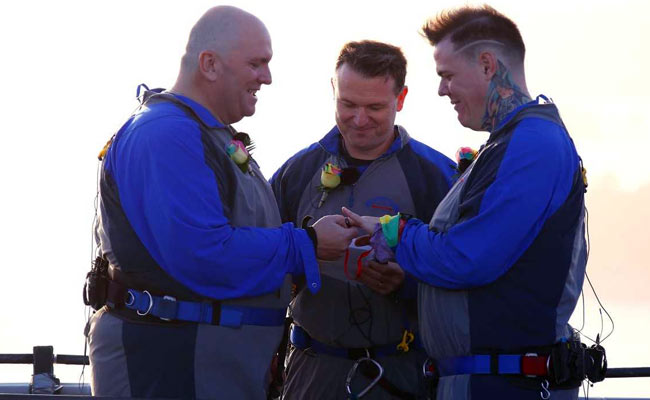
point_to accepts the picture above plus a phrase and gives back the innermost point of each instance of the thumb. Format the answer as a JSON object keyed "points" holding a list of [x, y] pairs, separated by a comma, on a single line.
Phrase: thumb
{"points": [[354, 217]]}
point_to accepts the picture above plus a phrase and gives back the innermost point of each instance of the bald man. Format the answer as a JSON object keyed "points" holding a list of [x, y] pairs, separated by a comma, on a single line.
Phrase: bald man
{"points": [[198, 260]]}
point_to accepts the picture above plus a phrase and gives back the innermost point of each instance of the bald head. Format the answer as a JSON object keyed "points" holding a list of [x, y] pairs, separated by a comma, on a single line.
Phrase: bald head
{"points": [[226, 63], [219, 30]]}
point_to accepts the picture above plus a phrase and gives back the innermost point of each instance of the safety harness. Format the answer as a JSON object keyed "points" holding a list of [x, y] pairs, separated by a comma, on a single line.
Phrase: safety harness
{"points": [[101, 290], [364, 360], [168, 308], [564, 365]]}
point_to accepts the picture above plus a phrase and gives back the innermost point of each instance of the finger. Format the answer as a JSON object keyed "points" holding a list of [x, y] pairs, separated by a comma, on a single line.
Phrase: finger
{"points": [[370, 275], [379, 268], [338, 220], [350, 233], [355, 218]]}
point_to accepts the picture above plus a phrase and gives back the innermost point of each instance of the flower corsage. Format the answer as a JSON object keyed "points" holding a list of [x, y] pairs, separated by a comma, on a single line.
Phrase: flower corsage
{"points": [[330, 178], [239, 150], [465, 156]]}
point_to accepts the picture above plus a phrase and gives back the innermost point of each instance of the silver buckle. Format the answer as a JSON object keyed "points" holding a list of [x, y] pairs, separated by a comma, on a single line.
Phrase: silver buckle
{"points": [[150, 304], [426, 368], [353, 372]]}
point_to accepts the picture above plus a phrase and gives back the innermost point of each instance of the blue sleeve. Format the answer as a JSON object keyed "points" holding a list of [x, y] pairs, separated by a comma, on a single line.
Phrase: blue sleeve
{"points": [[171, 198], [532, 181]]}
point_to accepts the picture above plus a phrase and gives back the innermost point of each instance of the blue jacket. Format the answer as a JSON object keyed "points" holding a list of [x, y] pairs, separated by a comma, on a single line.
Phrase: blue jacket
{"points": [[174, 205], [504, 256]]}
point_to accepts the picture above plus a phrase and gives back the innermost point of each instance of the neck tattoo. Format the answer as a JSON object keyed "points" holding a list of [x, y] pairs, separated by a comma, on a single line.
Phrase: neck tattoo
{"points": [[503, 96]]}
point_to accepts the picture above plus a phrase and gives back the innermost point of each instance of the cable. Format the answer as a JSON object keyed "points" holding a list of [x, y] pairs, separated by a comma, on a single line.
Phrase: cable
{"points": [[353, 314], [602, 308]]}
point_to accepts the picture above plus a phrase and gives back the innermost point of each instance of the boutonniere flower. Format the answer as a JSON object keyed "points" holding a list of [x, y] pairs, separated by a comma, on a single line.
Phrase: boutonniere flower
{"points": [[239, 150], [330, 178], [465, 156]]}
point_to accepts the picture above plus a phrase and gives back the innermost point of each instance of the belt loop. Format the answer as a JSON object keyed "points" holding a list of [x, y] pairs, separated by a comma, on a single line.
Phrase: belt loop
{"points": [[216, 313], [494, 364]]}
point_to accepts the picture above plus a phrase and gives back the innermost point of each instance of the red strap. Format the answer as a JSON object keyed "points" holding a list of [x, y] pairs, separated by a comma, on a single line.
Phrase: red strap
{"points": [[534, 365], [359, 262], [357, 274]]}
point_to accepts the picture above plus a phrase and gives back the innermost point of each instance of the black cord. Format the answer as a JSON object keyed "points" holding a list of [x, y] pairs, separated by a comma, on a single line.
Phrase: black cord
{"points": [[353, 314], [602, 308]]}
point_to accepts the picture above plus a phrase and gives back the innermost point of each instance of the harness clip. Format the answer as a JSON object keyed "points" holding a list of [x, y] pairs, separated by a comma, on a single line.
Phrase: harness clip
{"points": [[407, 338]]}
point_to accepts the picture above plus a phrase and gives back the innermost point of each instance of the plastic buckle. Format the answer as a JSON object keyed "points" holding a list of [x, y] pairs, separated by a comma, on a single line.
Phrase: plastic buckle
{"points": [[537, 366], [168, 306], [522, 362]]}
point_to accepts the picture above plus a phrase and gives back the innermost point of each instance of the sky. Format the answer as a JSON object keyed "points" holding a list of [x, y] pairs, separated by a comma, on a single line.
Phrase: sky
{"points": [[70, 70]]}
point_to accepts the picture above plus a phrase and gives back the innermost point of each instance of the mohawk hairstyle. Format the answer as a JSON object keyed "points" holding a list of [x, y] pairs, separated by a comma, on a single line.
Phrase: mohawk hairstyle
{"points": [[371, 59], [468, 24]]}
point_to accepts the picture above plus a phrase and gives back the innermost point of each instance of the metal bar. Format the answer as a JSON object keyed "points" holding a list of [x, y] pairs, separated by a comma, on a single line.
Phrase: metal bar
{"points": [[16, 358], [29, 359], [641, 372]]}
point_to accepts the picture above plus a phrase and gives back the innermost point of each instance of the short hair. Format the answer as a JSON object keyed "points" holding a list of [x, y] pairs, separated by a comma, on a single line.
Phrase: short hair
{"points": [[468, 24], [371, 59]]}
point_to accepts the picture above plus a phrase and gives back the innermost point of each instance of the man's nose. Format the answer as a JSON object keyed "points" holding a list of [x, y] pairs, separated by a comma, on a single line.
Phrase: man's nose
{"points": [[360, 116], [265, 75], [443, 89]]}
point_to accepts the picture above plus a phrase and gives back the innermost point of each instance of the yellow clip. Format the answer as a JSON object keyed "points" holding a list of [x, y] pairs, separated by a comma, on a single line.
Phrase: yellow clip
{"points": [[407, 338], [102, 153], [584, 176]]}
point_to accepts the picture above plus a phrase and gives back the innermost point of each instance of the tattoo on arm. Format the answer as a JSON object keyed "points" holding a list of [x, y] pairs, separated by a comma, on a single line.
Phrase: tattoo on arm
{"points": [[503, 97]]}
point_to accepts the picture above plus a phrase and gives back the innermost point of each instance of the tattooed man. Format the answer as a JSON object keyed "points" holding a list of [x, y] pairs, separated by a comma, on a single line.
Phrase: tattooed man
{"points": [[501, 263]]}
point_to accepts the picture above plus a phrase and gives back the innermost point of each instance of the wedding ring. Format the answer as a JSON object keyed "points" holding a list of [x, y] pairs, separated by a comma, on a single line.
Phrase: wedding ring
{"points": [[347, 222]]}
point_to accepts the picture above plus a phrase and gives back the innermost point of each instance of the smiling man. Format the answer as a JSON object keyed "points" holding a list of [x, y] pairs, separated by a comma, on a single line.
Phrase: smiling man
{"points": [[379, 169], [502, 260], [197, 256]]}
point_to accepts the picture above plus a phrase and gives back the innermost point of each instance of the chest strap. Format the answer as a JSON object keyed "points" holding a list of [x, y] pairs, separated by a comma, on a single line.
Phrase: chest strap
{"points": [[301, 340], [495, 364], [167, 308]]}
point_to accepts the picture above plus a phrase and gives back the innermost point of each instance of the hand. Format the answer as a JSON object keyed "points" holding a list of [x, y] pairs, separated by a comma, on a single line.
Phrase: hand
{"points": [[334, 236], [365, 223], [382, 278]]}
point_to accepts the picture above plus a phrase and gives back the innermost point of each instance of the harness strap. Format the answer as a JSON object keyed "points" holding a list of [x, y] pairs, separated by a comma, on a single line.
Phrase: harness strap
{"points": [[301, 340], [167, 308], [495, 364]]}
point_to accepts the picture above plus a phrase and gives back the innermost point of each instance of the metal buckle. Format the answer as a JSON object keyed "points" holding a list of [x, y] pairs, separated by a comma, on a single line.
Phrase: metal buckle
{"points": [[427, 371], [150, 304], [353, 372], [130, 299]]}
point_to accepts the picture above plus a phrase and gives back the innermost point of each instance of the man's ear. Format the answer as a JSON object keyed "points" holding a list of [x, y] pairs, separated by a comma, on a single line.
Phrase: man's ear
{"points": [[400, 98], [210, 65], [488, 63], [332, 81]]}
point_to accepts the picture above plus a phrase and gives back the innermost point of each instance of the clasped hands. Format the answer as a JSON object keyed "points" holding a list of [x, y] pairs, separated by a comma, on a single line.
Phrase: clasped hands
{"points": [[335, 232]]}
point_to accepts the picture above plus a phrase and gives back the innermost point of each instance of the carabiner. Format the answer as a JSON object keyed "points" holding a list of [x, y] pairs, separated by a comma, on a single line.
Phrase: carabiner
{"points": [[545, 394], [353, 371]]}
